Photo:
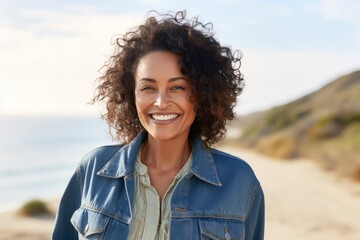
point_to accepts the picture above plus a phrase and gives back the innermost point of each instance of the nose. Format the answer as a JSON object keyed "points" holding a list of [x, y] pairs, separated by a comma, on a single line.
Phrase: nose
{"points": [[162, 100]]}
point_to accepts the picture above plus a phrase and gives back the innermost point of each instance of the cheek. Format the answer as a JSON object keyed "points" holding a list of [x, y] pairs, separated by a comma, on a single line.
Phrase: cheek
{"points": [[141, 114], [192, 101], [140, 101], [140, 109], [137, 105], [191, 109]]}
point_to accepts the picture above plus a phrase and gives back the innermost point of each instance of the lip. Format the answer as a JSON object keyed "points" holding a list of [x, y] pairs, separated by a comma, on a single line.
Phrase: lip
{"points": [[164, 118]]}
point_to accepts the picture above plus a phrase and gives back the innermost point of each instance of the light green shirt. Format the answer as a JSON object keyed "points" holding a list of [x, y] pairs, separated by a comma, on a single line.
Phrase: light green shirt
{"points": [[149, 221]]}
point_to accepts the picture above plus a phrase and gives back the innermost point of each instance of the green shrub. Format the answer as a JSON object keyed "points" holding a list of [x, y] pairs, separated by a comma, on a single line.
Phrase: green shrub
{"points": [[278, 119], [283, 117], [332, 125], [327, 127], [353, 117], [34, 207], [331, 119]]}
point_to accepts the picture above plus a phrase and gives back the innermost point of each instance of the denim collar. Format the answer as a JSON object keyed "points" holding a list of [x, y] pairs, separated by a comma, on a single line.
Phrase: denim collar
{"points": [[123, 161]]}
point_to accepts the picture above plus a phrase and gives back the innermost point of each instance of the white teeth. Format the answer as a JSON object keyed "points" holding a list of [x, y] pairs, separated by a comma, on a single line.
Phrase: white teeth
{"points": [[164, 117]]}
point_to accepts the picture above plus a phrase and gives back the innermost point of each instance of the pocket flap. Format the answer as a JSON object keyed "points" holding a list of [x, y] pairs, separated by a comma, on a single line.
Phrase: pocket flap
{"points": [[222, 229], [88, 222]]}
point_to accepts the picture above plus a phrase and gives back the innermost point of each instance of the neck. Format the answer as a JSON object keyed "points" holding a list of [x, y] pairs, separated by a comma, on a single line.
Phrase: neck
{"points": [[165, 155]]}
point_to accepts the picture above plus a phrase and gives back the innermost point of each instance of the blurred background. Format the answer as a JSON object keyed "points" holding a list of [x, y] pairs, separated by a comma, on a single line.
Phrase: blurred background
{"points": [[300, 107]]}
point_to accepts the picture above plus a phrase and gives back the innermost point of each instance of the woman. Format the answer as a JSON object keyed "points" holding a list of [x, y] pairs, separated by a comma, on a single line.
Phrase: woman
{"points": [[169, 90]]}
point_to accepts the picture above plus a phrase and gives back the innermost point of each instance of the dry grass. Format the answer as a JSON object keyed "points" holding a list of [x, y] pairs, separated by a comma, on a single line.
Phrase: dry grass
{"points": [[282, 147], [323, 126], [356, 174]]}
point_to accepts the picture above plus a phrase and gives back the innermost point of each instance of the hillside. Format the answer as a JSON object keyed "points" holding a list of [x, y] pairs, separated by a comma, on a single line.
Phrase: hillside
{"points": [[323, 125]]}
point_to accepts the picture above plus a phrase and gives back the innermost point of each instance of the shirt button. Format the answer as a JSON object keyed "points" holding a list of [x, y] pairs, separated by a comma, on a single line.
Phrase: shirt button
{"points": [[86, 228]]}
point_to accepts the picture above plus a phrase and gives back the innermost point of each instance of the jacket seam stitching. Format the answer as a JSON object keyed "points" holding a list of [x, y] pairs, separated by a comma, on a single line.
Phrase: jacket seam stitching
{"points": [[79, 180], [225, 217], [252, 199], [104, 213]]}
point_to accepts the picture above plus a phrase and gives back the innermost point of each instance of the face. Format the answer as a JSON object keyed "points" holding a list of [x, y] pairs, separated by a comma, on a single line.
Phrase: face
{"points": [[162, 96]]}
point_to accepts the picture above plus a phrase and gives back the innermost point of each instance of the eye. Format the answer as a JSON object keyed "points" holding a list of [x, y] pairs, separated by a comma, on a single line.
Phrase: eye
{"points": [[176, 88], [146, 88]]}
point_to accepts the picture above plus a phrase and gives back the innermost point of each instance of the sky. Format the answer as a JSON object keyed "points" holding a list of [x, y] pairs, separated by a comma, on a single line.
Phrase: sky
{"points": [[51, 51]]}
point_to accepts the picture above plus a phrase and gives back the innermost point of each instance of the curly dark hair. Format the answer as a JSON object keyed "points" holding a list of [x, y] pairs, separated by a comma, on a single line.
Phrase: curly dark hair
{"points": [[213, 70]]}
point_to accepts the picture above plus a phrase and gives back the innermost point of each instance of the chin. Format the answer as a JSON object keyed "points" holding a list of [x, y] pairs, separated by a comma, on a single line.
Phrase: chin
{"points": [[167, 135]]}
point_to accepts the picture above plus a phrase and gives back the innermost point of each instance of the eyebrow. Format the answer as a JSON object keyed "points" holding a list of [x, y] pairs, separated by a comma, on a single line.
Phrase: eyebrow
{"points": [[170, 79]]}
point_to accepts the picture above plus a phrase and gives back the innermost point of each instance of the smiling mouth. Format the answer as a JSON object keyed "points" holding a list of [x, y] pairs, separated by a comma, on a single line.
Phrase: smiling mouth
{"points": [[164, 117]]}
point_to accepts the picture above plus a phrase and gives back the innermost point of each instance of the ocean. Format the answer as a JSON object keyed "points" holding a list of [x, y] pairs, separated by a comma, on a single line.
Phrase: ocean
{"points": [[38, 154]]}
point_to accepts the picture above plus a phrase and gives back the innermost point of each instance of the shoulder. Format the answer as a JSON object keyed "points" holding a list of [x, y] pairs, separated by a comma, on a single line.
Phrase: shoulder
{"points": [[99, 156], [238, 176], [228, 160], [234, 167], [103, 151]]}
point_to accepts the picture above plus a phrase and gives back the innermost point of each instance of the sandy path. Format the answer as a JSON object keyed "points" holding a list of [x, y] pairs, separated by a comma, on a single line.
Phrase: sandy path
{"points": [[303, 202], [16, 227]]}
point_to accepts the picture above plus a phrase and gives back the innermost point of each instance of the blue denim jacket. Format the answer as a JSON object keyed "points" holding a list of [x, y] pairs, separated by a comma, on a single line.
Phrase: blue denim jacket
{"points": [[220, 198]]}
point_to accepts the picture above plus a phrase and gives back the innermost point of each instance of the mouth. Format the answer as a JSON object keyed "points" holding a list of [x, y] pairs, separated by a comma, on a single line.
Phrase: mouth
{"points": [[164, 117]]}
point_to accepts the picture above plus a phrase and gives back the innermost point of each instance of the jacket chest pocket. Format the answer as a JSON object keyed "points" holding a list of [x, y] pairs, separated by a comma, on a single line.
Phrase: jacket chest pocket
{"points": [[221, 229], [89, 224]]}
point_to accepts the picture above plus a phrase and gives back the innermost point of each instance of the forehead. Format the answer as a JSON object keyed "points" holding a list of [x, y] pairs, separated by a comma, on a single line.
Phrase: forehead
{"points": [[158, 64]]}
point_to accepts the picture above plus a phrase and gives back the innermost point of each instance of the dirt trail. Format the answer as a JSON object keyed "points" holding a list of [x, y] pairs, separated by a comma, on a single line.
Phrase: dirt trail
{"points": [[303, 202]]}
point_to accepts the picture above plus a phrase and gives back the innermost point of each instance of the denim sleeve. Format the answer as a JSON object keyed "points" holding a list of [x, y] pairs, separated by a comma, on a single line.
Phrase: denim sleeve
{"points": [[255, 222], [70, 202]]}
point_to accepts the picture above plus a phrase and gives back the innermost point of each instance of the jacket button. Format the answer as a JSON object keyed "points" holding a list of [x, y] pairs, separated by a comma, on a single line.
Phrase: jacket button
{"points": [[227, 236], [87, 228]]}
